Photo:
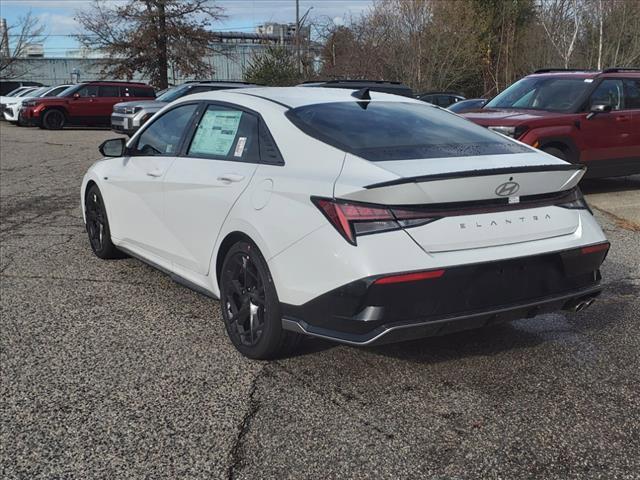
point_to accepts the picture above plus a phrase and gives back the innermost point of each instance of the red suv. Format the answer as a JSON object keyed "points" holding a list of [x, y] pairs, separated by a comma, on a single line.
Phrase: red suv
{"points": [[88, 103], [580, 116]]}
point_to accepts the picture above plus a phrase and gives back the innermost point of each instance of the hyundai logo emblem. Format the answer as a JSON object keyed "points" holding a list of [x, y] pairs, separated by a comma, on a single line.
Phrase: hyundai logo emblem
{"points": [[507, 189]]}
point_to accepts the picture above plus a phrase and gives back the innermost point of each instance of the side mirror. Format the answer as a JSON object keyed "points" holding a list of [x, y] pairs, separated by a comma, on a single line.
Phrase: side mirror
{"points": [[114, 147], [76, 95], [596, 109]]}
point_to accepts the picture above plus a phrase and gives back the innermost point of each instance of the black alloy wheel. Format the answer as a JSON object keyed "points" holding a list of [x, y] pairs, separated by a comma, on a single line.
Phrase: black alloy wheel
{"points": [[98, 225], [245, 299], [53, 120], [250, 306]]}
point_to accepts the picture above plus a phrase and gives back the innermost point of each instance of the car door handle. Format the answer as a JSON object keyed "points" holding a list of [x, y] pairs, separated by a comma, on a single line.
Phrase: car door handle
{"points": [[230, 177], [156, 172], [623, 118]]}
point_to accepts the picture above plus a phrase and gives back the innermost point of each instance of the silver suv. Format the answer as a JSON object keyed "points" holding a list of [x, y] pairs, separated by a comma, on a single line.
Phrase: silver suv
{"points": [[128, 117]]}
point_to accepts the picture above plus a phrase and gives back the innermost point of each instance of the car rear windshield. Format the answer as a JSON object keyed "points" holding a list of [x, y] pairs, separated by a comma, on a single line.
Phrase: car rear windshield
{"points": [[543, 93], [382, 131]]}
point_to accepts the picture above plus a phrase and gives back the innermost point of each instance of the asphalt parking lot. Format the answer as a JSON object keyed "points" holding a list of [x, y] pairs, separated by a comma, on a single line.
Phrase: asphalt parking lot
{"points": [[111, 370]]}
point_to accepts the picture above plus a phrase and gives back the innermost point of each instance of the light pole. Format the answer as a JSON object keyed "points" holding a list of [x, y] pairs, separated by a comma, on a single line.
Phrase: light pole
{"points": [[299, 23]]}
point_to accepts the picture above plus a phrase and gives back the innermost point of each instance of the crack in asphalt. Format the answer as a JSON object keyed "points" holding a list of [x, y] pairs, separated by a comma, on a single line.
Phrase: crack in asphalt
{"points": [[346, 397], [237, 455]]}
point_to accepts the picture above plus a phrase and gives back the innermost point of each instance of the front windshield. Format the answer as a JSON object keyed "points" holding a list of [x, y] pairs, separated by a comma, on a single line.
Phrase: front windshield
{"points": [[172, 94], [25, 93], [15, 92], [542, 93], [37, 92], [70, 90]]}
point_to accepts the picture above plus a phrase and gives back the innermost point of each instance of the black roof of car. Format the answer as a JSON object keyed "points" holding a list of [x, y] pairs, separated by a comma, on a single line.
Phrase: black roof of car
{"points": [[385, 86], [109, 82], [455, 94], [223, 84], [230, 82]]}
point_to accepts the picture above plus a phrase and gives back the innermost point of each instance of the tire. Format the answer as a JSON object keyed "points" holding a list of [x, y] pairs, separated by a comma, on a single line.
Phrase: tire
{"points": [[556, 152], [53, 120], [250, 305], [97, 226]]}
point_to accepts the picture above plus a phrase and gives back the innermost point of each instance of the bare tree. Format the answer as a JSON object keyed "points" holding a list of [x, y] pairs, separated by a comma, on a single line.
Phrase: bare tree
{"points": [[561, 22], [147, 36], [14, 44]]}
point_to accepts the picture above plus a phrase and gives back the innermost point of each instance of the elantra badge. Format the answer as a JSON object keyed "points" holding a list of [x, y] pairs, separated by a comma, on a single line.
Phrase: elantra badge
{"points": [[507, 189]]}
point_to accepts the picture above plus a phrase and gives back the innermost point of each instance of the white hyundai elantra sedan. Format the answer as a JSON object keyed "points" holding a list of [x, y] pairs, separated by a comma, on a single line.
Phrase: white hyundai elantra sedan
{"points": [[358, 217]]}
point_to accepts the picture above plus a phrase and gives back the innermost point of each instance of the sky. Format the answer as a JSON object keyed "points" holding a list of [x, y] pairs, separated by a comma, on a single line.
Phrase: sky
{"points": [[241, 15]]}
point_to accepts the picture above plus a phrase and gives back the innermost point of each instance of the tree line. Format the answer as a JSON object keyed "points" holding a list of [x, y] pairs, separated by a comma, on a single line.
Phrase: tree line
{"points": [[477, 47], [480, 46]]}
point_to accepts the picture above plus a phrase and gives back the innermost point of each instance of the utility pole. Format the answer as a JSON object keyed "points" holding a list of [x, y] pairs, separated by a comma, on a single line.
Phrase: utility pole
{"points": [[299, 24], [297, 39]]}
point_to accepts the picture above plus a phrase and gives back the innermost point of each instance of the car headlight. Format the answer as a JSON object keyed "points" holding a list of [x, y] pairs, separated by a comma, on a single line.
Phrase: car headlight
{"points": [[513, 132], [131, 110], [31, 103]]}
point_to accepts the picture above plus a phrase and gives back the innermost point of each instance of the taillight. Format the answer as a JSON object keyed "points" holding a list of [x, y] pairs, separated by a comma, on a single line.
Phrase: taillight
{"points": [[355, 219], [599, 247], [575, 201]]}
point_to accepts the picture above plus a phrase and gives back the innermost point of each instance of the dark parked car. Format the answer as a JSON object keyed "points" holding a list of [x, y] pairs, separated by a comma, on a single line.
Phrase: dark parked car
{"points": [[88, 103], [395, 88], [128, 117], [588, 117], [467, 105], [442, 99]]}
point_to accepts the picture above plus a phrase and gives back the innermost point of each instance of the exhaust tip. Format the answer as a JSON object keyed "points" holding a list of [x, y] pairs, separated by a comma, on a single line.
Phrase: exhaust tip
{"points": [[581, 305]]}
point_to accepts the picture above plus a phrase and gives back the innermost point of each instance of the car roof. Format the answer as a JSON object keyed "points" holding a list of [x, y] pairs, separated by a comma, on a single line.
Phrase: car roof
{"points": [[374, 85], [454, 94], [115, 82], [578, 73], [293, 97], [221, 85], [277, 98]]}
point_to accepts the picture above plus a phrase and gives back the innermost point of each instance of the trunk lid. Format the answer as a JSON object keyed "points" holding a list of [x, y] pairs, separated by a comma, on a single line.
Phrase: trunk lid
{"points": [[479, 201]]}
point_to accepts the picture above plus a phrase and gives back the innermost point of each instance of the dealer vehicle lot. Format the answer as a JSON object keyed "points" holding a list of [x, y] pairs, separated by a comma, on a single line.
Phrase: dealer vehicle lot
{"points": [[117, 360]]}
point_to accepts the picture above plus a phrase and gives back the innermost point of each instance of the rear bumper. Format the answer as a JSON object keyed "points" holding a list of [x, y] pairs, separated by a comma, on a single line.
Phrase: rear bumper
{"points": [[468, 296]]}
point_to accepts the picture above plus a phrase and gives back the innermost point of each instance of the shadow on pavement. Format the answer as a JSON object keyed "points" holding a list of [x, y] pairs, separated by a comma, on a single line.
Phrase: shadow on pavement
{"points": [[613, 184]]}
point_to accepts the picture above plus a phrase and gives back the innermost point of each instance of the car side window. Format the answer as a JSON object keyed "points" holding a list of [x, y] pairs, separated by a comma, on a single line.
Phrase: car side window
{"points": [[56, 91], [108, 91], [142, 92], [226, 133], [162, 137], [609, 92], [443, 100], [88, 91], [632, 94]]}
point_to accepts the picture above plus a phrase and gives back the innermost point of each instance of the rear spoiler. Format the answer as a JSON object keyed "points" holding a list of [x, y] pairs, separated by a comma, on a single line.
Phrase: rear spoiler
{"points": [[479, 173]]}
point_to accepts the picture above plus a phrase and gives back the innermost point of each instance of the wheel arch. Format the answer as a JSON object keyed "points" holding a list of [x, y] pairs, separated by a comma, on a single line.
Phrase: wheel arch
{"points": [[87, 183], [47, 109], [62, 109], [230, 239], [565, 144]]}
